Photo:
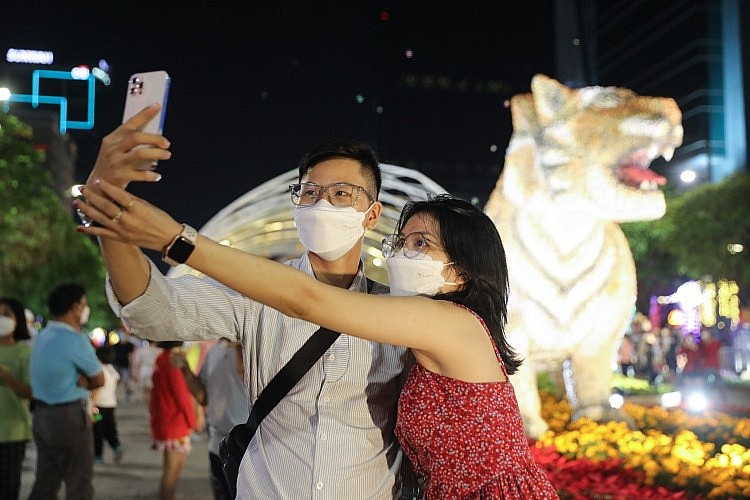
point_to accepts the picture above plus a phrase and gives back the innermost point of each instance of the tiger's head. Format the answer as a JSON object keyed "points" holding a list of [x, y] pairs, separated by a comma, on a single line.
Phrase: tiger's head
{"points": [[589, 150]]}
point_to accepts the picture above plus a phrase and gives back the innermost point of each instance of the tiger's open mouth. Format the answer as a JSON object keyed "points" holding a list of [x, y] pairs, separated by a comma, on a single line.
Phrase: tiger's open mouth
{"points": [[633, 171]]}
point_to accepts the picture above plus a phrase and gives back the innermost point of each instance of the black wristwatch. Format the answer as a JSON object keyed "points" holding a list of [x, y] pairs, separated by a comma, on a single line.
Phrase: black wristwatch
{"points": [[178, 251]]}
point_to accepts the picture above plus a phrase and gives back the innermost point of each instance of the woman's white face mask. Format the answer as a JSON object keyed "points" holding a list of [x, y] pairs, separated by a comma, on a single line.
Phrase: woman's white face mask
{"points": [[7, 325], [329, 231], [420, 275]]}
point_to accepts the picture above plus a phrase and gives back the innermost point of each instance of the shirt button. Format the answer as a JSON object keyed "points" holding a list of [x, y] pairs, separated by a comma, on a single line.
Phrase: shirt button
{"points": [[331, 357], [323, 437], [319, 485], [326, 399]]}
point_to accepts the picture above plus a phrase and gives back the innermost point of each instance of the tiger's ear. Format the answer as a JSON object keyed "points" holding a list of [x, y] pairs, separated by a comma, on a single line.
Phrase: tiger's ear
{"points": [[551, 98], [523, 113]]}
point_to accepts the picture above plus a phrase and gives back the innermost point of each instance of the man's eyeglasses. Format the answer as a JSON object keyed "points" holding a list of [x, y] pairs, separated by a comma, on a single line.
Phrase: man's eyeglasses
{"points": [[341, 194], [413, 245]]}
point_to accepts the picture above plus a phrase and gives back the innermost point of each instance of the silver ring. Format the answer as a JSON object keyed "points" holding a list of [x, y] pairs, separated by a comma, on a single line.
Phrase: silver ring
{"points": [[117, 216]]}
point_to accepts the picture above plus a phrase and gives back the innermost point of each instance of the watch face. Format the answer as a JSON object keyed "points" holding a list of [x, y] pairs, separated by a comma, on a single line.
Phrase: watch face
{"points": [[180, 250]]}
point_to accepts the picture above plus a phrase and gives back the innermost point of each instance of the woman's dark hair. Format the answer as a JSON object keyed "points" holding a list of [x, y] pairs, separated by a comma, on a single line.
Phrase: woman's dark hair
{"points": [[21, 331], [358, 151], [169, 344], [63, 297], [472, 242]]}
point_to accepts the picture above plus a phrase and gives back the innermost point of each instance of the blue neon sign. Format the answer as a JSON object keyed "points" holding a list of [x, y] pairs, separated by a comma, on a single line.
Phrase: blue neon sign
{"points": [[35, 98]]}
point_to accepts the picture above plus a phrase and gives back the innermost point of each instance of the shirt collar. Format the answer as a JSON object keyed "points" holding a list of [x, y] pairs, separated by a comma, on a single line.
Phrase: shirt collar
{"points": [[359, 283]]}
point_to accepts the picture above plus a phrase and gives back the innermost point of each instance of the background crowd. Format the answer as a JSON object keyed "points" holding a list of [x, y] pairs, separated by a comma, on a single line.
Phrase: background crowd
{"points": [[87, 408], [668, 354]]}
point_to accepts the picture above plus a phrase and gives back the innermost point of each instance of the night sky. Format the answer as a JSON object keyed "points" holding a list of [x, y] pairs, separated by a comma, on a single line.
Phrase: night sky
{"points": [[254, 87]]}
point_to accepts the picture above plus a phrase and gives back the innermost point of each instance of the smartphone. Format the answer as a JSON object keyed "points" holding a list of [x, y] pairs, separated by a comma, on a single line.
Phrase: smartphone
{"points": [[144, 89]]}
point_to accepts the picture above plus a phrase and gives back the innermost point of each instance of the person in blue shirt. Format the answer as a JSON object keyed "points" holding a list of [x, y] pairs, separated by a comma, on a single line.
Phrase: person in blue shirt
{"points": [[64, 369]]}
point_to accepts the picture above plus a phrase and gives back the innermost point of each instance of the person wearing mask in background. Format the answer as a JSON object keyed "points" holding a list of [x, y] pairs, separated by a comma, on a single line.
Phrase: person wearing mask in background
{"points": [[64, 368], [349, 395], [220, 388], [21, 333], [15, 393]]}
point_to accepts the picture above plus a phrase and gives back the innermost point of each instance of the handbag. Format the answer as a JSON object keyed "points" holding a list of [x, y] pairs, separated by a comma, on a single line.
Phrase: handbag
{"points": [[232, 446]]}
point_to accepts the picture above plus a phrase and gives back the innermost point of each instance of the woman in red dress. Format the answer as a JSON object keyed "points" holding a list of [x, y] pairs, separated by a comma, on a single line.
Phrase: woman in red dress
{"points": [[172, 418]]}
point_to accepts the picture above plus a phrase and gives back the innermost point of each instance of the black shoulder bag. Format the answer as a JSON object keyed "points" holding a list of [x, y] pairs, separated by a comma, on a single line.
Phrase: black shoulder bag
{"points": [[232, 447]]}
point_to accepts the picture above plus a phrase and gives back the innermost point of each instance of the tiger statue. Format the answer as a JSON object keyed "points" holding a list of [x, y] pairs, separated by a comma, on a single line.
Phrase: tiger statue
{"points": [[576, 165]]}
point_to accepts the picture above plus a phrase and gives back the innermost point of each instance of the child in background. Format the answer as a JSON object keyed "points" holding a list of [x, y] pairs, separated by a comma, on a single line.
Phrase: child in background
{"points": [[105, 402]]}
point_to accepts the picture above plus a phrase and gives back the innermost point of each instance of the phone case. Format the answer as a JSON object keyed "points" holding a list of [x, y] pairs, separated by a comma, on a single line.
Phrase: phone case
{"points": [[144, 89]]}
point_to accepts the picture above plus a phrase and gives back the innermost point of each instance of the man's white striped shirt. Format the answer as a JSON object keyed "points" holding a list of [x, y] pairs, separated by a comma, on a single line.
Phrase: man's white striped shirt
{"points": [[332, 436]]}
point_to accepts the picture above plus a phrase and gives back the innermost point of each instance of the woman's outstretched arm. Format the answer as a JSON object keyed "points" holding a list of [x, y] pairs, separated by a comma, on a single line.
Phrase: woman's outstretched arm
{"points": [[425, 325]]}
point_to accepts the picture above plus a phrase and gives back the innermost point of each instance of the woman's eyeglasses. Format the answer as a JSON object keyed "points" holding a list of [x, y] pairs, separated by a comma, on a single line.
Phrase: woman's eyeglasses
{"points": [[413, 244]]}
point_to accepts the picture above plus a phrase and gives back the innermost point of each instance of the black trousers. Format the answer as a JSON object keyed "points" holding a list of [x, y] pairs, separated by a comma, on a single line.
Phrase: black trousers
{"points": [[11, 458], [105, 429]]}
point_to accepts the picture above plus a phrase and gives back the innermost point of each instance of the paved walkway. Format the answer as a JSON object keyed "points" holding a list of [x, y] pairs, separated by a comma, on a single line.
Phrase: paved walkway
{"points": [[137, 476]]}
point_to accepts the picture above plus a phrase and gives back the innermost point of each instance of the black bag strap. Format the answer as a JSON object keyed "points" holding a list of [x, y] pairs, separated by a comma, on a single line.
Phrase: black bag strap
{"points": [[292, 372]]}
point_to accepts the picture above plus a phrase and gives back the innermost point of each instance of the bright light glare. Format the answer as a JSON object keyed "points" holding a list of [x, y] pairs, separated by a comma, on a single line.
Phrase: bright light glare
{"points": [[4, 93], [98, 335], [687, 176], [689, 295], [671, 399], [29, 56], [733, 248], [113, 337], [697, 401], [80, 72], [616, 401]]}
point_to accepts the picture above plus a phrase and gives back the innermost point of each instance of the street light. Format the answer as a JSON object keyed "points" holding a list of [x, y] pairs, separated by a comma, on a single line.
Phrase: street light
{"points": [[688, 176], [5, 94]]}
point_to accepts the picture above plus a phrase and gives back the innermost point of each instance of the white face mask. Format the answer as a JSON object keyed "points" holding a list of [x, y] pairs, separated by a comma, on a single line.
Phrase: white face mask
{"points": [[7, 325], [85, 315], [329, 231], [418, 276]]}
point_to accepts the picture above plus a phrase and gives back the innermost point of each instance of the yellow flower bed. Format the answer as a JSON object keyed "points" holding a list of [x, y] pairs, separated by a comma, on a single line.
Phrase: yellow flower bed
{"points": [[666, 447]]}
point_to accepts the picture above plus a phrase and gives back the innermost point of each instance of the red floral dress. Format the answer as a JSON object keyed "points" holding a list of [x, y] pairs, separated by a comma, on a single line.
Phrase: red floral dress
{"points": [[467, 438]]}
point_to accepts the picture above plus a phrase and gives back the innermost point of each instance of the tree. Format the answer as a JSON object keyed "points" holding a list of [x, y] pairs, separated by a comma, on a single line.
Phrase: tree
{"points": [[708, 220], [692, 240], [39, 246]]}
